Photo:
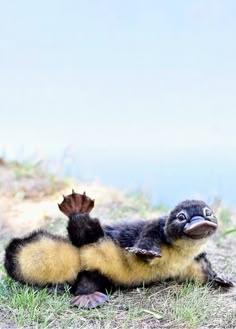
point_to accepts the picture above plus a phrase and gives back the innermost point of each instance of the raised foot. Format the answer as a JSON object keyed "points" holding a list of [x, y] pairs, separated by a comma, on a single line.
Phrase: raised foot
{"points": [[222, 282], [76, 203], [139, 251], [89, 301]]}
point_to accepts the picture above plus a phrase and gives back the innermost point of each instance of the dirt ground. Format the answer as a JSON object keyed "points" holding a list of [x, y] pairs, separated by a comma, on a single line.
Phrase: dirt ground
{"points": [[29, 200]]}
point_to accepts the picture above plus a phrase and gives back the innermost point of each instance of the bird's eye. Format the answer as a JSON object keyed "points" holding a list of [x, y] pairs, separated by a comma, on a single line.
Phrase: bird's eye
{"points": [[208, 212], [181, 216]]}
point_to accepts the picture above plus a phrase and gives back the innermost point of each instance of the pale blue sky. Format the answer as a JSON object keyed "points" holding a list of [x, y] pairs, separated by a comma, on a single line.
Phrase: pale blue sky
{"points": [[135, 79], [123, 74]]}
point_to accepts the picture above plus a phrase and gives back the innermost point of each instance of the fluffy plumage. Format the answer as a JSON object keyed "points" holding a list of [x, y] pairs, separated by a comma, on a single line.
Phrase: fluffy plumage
{"points": [[126, 254]]}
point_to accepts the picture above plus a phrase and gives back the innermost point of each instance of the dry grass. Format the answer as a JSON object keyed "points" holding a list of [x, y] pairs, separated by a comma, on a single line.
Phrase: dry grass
{"points": [[163, 306], [166, 305]]}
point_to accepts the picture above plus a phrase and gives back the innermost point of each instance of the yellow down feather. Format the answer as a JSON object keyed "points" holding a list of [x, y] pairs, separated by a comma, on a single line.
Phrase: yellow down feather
{"points": [[54, 261]]}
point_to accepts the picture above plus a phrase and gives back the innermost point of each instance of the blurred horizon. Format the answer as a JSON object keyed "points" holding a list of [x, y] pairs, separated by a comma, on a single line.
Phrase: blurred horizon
{"points": [[139, 95]]}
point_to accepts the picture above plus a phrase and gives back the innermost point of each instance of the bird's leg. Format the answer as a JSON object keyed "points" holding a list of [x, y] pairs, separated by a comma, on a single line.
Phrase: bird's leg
{"points": [[147, 244], [82, 229], [201, 270], [90, 290]]}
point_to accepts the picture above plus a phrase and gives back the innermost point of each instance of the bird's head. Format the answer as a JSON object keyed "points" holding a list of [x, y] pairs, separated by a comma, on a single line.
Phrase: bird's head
{"points": [[191, 219]]}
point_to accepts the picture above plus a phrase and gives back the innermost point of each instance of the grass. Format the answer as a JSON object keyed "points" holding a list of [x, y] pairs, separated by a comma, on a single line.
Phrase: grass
{"points": [[225, 216], [24, 180], [24, 170], [233, 230], [171, 306], [30, 307], [192, 305], [141, 203], [165, 305]]}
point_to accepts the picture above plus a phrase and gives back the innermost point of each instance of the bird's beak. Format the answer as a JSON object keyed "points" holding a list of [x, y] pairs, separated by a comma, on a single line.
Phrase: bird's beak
{"points": [[199, 227]]}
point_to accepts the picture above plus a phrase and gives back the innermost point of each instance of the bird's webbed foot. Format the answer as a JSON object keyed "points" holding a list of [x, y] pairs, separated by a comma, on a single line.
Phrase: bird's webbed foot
{"points": [[76, 203], [90, 289], [88, 301], [146, 255], [219, 281], [210, 275], [148, 244]]}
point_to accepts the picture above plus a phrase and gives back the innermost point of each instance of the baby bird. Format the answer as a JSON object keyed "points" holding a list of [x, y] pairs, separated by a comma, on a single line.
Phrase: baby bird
{"points": [[98, 258]]}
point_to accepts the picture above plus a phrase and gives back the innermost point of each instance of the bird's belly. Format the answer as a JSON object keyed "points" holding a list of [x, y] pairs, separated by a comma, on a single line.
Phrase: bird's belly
{"points": [[125, 268]]}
